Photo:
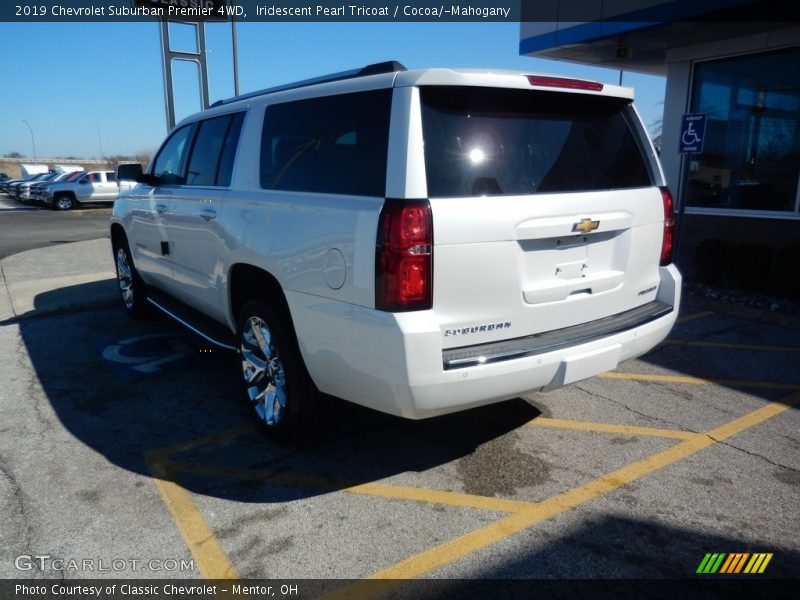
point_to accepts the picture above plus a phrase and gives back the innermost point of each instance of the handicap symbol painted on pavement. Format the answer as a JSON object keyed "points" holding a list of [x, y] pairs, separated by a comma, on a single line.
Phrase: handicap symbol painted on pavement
{"points": [[149, 353]]}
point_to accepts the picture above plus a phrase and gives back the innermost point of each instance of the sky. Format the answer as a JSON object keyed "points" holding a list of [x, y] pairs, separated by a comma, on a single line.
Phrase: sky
{"points": [[96, 89]]}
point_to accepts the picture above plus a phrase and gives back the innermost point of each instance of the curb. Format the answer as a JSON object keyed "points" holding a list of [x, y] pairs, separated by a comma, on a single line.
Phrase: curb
{"points": [[60, 310], [43, 281]]}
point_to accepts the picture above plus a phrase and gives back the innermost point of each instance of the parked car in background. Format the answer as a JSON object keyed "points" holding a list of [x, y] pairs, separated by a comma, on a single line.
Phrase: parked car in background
{"points": [[93, 186], [22, 191], [5, 186], [14, 187], [39, 189]]}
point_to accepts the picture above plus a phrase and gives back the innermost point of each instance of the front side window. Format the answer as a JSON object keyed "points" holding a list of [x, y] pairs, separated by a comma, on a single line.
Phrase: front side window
{"points": [[334, 145], [496, 142], [751, 150], [172, 157]]}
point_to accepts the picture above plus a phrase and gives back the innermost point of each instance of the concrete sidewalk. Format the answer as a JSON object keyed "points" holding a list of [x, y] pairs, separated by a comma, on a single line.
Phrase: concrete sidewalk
{"points": [[57, 278]]}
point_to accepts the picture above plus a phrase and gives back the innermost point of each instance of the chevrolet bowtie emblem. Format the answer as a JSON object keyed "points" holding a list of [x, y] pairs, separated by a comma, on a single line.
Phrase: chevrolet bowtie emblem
{"points": [[585, 226]]}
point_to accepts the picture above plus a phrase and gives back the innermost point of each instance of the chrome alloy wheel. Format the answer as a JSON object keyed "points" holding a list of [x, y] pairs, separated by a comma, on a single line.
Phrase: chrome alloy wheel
{"points": [[263, 371], [64, 203], [125, 278]]}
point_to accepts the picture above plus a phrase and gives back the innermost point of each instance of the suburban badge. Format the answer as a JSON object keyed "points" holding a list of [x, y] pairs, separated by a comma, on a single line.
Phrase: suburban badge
{"points": [[477, 328]]}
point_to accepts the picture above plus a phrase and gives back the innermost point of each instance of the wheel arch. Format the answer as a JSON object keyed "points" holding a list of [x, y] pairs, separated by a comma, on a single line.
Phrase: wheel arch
{"points": [[117, 233]]}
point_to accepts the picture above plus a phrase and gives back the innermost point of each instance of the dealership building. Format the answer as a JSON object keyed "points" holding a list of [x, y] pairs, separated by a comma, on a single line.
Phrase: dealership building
{"points": [[730, 144]]}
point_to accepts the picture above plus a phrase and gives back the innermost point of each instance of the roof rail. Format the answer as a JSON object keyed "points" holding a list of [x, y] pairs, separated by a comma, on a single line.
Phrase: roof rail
{"points": [[391, 66]]}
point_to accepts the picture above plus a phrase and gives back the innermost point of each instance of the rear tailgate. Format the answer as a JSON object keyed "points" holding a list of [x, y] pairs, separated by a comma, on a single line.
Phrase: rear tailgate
{"points": [[546, 213]]}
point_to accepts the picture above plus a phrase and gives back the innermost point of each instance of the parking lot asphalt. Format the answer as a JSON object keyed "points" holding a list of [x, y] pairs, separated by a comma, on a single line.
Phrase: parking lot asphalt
{"points": [[127, 440]]}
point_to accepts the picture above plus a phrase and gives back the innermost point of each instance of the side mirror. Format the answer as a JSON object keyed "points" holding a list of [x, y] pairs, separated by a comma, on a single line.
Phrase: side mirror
{"points": [[83, 180], [129, 172], [151, 180]]}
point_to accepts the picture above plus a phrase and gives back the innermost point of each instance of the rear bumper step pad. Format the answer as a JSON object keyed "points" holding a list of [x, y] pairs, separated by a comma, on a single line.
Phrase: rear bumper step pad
{"points": [[481, 354]]}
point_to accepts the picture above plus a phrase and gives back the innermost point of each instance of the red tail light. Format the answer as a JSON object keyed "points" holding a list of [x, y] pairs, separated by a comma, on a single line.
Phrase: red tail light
{"points": [[668, 241], [404, 256], [563, 82]]}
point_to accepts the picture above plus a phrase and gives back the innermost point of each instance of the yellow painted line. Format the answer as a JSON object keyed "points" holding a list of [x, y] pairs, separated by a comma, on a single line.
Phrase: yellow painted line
{"points": [[214, 563], [385, 490], [693, 316], [206, 551], [439, 497], [676, 342], [203, 441], [675, 434], [768, 385], [753, 418], [444, 554]]}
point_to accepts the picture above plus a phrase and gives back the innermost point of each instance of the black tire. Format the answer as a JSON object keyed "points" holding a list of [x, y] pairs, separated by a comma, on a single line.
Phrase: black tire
{"points": [[276, 384], [64, 202], [132, 289]]}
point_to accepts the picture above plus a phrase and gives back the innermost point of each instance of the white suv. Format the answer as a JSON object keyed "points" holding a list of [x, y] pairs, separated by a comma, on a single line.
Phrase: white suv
{"points": [[418, 242]]}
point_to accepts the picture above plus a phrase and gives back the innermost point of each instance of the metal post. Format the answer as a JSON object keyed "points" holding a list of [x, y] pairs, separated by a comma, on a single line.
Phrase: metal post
{"points": [[99, 138], [682, 198], [168, 55], [33, 142], [235, 44], [166, 63]]}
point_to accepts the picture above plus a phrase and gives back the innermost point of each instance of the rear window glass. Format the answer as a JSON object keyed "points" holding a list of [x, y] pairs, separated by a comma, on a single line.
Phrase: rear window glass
{"points": [[334, 145], [496, 142]]}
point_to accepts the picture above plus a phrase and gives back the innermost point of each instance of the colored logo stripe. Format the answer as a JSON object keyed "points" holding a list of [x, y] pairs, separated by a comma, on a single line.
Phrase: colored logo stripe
{"points": [[733, 563], [711, 562], [758, 563]]}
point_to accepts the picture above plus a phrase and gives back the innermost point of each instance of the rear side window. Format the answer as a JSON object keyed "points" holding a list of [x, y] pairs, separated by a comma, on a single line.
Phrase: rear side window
{"points": [[213, 151], [333, 145], [495, 142]]}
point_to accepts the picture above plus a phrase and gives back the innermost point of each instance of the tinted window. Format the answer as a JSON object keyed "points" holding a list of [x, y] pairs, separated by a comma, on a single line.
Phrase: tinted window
{"points": [[111, 176], [229, 150], [488, 142], [211, 144], [172, 157], [751, 147], [335, 145]]}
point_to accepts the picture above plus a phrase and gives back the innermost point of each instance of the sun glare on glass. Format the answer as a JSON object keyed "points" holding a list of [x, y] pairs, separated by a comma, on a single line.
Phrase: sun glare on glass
{"points": [[476, 156]]}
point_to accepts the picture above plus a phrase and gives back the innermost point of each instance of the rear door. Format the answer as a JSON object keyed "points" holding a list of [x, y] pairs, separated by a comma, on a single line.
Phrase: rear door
{"points": [[196, 240], [545, 206]]}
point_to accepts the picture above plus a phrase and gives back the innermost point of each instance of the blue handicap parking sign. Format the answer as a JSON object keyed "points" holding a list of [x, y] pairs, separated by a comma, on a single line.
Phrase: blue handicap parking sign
{"points": [[693, 133]]}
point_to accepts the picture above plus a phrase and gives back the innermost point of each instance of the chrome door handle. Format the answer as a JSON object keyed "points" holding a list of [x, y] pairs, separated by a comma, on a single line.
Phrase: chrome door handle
{"points": [[161, 208], [208, 214]]}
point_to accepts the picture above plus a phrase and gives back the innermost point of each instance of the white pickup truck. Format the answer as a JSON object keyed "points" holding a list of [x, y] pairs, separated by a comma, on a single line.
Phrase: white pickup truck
{"points": [[93, 186]]}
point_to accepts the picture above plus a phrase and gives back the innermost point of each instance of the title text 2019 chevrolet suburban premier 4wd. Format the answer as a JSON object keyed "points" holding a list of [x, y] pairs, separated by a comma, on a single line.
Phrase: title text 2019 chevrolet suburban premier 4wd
{"points": [[418, 242]]}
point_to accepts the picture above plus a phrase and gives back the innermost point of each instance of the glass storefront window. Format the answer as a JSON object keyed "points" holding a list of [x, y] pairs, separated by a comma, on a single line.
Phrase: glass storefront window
{"points": [[751, 155]]}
